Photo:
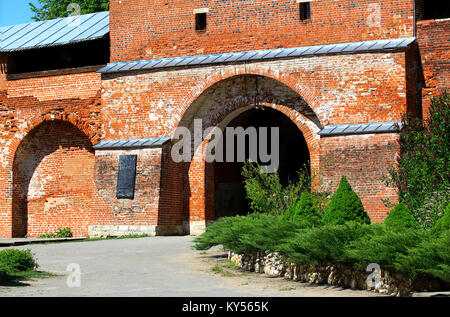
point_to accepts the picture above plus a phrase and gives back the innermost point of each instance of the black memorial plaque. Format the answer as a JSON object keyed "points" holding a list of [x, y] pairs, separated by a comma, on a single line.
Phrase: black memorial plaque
{"points": [[127, 177]]}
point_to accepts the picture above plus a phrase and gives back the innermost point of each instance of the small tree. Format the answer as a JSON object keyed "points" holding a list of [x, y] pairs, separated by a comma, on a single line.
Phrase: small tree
{"points": [[401, 216], [305, 209], [267, 194], [345, 206], [53, 9]]}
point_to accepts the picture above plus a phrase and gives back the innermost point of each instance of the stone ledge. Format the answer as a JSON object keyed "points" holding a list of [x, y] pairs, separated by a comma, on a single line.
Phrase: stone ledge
{"points": [[25, 241], [336, 274], [105, 231]]}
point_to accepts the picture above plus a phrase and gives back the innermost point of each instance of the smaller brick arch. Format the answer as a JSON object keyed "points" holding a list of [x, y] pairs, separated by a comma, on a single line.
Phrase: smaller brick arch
{"points": [[308, 126], [298, 119], [52, 175], [35, 121], [306, 91]]}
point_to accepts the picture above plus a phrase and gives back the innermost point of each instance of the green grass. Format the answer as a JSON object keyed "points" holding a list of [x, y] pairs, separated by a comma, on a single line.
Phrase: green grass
{"points": [[217, 269], [287, 289], [25, 276], [225, 269]]}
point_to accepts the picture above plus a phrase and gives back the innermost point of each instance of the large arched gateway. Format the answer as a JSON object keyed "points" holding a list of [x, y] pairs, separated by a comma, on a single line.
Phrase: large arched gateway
{"points": [[246, 101]]}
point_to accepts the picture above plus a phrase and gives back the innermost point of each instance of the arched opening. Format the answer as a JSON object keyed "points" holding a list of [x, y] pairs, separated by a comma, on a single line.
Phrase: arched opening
{"points": [[216, 107], [293, 154], [53, 180]]}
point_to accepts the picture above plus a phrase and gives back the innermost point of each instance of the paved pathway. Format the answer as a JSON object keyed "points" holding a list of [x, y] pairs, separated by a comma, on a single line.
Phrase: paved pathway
{"points": [[161, 266]]}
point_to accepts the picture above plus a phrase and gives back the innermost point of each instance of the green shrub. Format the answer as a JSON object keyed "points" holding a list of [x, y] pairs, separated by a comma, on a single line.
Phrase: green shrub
{"points": [[443, 223], [267, 194], [47, 235], [345, 206], [406, 250], [400, 216], [320, 201], [383, 246], [325, 243], [423, 163], [255, 232], [303, 210], [289, 213], [60, 233], [430, 256], [64, 233], [17, 260]]}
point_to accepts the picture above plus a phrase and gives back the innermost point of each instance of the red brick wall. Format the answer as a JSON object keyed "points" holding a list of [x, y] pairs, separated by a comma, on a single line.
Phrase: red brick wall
{"points": [[365, 160], [313, 92], [165, 28], [338, 89], [434, 46], [143, 209], [53, 179], [36, 146]]}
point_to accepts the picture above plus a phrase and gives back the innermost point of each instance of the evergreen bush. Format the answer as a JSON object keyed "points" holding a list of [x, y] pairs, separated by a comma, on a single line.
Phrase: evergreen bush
{"points": [[401, 216], [429, 256], [405, 250], [345, 206], [17, 260], [423, 162], [304, 210], [443, 223], [383, 246]]}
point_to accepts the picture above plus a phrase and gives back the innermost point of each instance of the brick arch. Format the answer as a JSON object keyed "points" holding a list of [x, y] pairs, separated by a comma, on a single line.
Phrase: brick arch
{"points": [[292, 105], [303, 123], [65, 155], [300, 121], [30, 125], [305, 91], [35, 121]]}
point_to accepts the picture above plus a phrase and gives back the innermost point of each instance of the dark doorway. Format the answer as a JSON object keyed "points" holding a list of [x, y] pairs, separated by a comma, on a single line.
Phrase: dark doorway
{"points": [[230, 195]]}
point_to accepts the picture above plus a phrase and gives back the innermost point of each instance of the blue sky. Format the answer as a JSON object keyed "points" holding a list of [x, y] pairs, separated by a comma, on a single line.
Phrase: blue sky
{"points": [[15, 12]]}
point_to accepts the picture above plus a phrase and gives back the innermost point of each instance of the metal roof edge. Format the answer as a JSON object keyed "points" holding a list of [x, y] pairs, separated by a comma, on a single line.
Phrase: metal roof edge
{"points": [[54, 44], [45, 31], [360, 128], [131, 143], [260, 55]]}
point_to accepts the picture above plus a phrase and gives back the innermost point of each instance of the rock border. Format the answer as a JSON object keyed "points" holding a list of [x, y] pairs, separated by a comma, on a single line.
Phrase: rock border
{"points": [[337, 274]]}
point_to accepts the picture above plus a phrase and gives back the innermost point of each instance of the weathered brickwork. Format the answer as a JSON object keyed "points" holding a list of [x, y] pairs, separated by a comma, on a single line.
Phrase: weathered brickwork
{"points": [[145, 209], [53, 180], [336, 89], [433, 39], [166, 28], [48, 126], [365, 160], [52, 176]]}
